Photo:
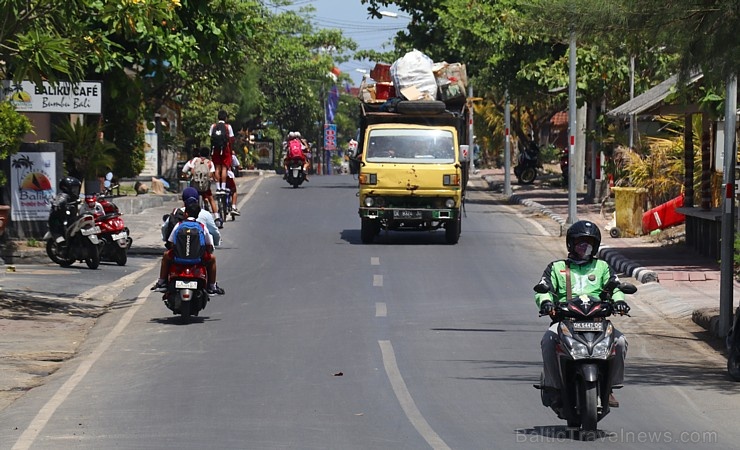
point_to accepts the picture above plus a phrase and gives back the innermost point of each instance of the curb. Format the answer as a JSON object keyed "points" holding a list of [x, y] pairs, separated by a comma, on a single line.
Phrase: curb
{"points": [[608, 254]]}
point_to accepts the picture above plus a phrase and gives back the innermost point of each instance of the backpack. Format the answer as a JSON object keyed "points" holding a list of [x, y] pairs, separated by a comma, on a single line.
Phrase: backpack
{"points": [[295, 149], [201, 175], [177, 216], [190, 243], [219, 138]]}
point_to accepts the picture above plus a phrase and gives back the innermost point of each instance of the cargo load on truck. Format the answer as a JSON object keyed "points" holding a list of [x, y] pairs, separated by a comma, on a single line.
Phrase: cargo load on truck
{"points": [[412, 171]]}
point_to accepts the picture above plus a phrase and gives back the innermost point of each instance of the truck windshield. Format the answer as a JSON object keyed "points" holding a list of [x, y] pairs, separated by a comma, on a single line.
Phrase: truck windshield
{"points": [[411, 146]]}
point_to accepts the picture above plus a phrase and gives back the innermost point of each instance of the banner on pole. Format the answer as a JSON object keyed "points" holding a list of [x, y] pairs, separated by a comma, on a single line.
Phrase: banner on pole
{"points": [[330, 136]]}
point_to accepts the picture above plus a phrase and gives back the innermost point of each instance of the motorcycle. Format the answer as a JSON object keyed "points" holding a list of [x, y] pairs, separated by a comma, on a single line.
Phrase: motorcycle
{"points": [[186, 293], [295, 175], [527, 163], [71, 238], [114, 235], [585, 353]]}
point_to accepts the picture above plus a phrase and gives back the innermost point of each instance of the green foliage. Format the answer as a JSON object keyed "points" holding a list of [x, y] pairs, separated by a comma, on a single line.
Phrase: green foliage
{"points": [[85, 155], [13, 126]]}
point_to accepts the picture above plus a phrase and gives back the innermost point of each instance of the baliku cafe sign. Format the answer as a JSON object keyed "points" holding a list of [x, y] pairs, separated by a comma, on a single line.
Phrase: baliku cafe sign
{"points": [[63, 97]]}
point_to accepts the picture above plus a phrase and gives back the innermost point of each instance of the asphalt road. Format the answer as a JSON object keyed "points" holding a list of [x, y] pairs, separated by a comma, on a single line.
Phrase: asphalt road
{"points": [[324, 343]]}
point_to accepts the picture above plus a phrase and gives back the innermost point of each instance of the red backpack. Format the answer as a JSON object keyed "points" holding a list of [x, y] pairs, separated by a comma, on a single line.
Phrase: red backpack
{"points": [[295, 149]]}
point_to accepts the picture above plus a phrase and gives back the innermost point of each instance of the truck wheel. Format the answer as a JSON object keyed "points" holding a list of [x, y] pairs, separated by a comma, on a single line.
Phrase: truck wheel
{"points": [[420, 107], [452, 230], [368, 230]]}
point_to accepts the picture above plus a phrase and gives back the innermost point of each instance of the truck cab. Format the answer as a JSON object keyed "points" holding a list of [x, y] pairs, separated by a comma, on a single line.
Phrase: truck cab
{"points": [[411, 173]]}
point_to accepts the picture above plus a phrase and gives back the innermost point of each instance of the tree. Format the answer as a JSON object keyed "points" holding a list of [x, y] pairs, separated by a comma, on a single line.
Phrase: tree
{"points": [[13, 126]]}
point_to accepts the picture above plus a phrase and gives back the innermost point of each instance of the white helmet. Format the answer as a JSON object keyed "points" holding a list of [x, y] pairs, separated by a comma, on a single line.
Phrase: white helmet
{"points": [[298, 134], [291, 135]]}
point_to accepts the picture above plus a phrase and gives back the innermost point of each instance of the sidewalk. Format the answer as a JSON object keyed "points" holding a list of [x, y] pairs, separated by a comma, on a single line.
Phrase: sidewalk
{"points": [[684, 282]]}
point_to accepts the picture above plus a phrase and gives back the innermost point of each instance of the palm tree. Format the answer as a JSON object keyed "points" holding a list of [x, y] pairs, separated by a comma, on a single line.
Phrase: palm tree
{"points": [[22, 162], [85, 155]]}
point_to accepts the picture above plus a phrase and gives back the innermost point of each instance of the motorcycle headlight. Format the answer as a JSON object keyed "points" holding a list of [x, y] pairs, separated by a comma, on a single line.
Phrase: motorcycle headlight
{"points": [[577, 350], [602, 349]]}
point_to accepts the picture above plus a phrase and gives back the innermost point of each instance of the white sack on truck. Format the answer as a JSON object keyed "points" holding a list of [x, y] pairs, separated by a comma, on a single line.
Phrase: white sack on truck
{"points": [[412, 73]]}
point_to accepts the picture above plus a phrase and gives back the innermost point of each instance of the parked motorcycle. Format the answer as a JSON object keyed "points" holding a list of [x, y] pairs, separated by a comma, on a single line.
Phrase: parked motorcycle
{"points": [[114, 235], [71, 238], [186, 293], [295, 175], [585, 353], [527, 163]]}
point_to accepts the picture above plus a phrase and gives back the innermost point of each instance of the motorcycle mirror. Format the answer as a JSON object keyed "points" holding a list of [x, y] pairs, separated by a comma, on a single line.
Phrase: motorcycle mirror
{"points": [[541, 288], [627, 288], [165, 218], [611, 285]]}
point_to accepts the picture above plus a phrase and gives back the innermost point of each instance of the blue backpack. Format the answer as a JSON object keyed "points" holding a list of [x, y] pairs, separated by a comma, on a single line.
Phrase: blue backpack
{"points": [[190, 243]]}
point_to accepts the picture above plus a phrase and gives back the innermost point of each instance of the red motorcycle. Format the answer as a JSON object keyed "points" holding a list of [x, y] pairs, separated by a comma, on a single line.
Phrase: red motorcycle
{"points": [[114, 234], [186, 289]]}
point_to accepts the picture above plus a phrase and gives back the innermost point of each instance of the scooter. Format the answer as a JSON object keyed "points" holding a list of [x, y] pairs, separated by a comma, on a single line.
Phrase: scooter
{"points": [[527, 163], [585, 352], [71, 238], [186, 293], [295, 175]]}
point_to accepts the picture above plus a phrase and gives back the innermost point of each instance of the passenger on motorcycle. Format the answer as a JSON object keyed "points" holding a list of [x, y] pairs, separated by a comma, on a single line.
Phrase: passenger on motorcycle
{"points": [[92, 206], [192, 212], [588, 276], [295, 141], [178, 214]]}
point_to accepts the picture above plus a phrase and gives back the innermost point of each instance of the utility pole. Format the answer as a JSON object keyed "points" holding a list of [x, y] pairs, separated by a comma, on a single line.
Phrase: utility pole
{"points": [[507, 141], [728, 232], [572, 216], [470, 132]]}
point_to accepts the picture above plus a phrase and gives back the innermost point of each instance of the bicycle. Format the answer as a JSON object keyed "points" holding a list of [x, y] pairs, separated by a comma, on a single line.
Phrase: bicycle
{"points": [[223, 199]]}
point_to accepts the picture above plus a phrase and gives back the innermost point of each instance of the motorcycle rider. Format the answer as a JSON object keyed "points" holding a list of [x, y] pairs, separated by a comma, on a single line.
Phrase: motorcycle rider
{"points": [[296, 136], [588, 276], [204, 217], [192, 212], [69, 192]]}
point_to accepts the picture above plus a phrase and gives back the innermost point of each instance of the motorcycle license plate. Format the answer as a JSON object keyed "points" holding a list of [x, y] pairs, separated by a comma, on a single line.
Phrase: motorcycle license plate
{"points": [[89, 231], [179, 284], [121, 235], [587, 326], [406, 214]]}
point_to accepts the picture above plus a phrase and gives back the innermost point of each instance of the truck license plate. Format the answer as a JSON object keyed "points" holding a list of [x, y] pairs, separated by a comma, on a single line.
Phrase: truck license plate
{"points": [[406, 214]]}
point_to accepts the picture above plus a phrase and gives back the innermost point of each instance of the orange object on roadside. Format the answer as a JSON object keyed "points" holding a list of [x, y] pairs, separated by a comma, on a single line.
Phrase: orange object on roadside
{"points": [[663, 216]]}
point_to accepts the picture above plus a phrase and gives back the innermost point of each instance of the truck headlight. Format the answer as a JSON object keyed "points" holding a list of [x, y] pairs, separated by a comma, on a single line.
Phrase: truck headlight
{"points": [[450, 203], [369, 202]]}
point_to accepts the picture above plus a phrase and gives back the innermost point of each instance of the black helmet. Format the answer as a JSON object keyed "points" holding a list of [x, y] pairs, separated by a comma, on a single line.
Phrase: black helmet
{"points": [[70, 186], [583, 228]]}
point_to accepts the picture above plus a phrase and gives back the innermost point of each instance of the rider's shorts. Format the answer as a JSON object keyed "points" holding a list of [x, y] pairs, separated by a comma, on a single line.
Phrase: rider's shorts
{"points": [[230, 184], [222, 159]]}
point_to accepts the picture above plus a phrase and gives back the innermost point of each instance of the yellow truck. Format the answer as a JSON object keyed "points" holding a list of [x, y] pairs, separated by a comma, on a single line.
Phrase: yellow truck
{"points": [[412, 173]]}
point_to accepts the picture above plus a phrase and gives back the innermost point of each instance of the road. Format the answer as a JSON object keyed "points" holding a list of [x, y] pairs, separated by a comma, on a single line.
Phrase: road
{"points": [[324, 343]]}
